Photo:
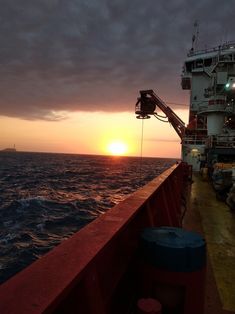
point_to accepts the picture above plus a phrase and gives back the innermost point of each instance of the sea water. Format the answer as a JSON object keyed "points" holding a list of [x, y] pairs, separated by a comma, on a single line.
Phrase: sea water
{"points": [[45, 198]]}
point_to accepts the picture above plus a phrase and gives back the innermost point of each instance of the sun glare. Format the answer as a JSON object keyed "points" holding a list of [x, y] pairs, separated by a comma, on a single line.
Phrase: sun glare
{"points": [[117, 148]]}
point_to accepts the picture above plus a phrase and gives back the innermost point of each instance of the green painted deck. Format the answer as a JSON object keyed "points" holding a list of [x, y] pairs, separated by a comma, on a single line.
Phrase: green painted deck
{"points": [[217, 223]]}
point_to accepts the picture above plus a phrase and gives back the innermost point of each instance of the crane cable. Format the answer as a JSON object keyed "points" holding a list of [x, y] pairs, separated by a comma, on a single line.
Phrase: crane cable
{"points": [[157, 116], [141, 148], [142, 138]]}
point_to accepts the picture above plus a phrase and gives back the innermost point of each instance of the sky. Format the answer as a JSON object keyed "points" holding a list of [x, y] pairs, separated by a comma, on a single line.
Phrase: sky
{"points": [[71, 70]]}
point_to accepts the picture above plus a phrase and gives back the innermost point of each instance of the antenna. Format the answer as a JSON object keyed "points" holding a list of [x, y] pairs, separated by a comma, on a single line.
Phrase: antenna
{"points": [[226, 36], [195, 36]]}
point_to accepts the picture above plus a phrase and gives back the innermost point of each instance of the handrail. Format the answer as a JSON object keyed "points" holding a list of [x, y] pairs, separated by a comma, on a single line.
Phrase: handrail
{"points": [[93, 269], [225, 46], [222, 140]]}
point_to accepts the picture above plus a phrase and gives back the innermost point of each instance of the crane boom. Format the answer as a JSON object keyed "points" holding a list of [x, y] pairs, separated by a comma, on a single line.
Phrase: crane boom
{"points": [[146, 105]]}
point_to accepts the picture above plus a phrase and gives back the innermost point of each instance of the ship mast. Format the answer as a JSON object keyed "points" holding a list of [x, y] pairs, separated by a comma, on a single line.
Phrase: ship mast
{"points": [[195, 36]]}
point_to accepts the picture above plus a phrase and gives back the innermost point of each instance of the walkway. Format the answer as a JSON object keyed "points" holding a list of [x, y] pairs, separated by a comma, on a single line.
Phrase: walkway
{"points": [[217, 223]]}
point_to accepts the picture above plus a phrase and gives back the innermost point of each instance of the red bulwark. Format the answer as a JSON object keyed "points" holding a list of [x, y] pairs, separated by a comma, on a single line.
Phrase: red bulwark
{"points": [[94, 272]]}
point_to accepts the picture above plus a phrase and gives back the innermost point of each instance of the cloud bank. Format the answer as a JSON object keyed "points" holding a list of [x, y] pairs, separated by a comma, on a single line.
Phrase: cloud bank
{"points": [[59, 56]]}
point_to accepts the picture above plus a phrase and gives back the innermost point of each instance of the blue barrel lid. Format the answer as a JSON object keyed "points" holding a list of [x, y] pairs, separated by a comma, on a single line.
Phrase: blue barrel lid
{"points": [[173, 249]]}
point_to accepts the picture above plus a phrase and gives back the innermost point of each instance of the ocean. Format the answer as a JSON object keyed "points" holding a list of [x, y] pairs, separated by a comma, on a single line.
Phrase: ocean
{"points": [[45, 198]]}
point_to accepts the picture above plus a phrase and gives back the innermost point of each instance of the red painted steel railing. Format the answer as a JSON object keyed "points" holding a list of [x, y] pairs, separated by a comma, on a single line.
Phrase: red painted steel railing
{"points": [[94, 270]]}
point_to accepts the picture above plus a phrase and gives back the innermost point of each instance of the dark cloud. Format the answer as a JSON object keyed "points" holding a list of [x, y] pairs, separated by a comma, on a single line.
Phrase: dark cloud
{"points": [[58, 56]]}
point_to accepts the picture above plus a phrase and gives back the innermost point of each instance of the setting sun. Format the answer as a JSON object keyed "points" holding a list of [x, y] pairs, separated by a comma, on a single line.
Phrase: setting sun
{"points": [[117, 148]]}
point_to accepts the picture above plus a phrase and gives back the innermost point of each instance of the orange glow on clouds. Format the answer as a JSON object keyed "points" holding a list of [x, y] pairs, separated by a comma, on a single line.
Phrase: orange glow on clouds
{"points": [[93, 133]]}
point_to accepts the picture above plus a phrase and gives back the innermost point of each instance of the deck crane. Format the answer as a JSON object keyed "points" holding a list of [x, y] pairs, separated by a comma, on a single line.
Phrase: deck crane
{"points": [[146, 106]]}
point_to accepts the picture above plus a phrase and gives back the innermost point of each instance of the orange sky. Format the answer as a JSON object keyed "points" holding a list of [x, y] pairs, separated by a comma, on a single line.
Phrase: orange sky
{"points": [[91, 133]]}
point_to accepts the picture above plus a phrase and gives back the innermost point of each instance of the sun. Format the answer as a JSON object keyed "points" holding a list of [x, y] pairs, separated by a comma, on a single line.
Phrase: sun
{"points": [[117, 148]]}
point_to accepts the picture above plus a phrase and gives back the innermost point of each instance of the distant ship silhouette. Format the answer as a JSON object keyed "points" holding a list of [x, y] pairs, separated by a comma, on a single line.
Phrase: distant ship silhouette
{"points": [[12, 149]]}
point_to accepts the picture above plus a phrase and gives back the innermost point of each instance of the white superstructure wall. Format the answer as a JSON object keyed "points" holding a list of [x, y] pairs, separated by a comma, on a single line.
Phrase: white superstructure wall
{"points": [[215, 123], [200, 81]]}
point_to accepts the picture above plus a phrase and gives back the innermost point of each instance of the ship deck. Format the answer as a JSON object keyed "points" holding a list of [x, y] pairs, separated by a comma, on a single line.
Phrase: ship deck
{"points": [[216, 222]]}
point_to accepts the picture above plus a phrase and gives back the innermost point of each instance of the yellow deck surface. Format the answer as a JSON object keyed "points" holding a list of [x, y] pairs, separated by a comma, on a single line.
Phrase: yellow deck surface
{"points": [[218, 224]]}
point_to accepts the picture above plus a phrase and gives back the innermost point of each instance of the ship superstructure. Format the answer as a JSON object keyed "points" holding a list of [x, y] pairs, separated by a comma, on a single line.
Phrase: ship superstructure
{"points": [[210, 76], [209, 137]]}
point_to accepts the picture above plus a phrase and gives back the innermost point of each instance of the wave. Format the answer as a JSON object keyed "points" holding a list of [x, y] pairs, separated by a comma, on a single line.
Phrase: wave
{"points": [[45, 198]]}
